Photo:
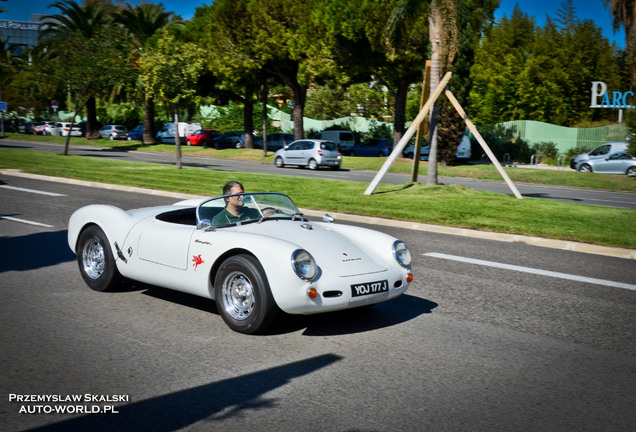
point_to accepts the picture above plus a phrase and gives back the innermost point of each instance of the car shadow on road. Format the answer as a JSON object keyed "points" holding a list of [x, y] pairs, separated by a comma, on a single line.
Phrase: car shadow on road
{"points": [[34, 251], [362, 319], [213, 403], [357, 320]]}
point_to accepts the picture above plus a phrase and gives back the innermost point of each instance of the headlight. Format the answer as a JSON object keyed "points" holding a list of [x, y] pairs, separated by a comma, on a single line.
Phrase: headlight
{"points": [[304, 264], [401, 253]]}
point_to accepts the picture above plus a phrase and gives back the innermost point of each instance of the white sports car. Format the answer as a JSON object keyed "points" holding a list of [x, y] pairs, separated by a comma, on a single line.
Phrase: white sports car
{"points": [[270, 258]]}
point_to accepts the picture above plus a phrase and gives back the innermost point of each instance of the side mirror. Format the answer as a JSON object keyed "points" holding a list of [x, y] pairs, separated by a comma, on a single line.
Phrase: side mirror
{"points": [[328, 219]]}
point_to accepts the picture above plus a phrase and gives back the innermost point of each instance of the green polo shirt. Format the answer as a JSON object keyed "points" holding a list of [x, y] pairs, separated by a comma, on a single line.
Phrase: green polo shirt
{"points": [[227, 218]]}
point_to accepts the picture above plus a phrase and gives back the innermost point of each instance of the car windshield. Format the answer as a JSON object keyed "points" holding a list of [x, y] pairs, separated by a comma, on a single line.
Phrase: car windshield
{"points": [[238, 209]]}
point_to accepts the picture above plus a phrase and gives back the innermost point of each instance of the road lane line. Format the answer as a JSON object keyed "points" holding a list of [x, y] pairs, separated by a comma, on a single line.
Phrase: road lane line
{"points": [[533, 271], [28, 222], [31, 190]]}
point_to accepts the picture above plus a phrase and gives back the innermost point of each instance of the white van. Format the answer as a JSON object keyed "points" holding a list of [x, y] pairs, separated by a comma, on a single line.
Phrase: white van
{"points": [[166, 134], [343, 138], [598, 153]]}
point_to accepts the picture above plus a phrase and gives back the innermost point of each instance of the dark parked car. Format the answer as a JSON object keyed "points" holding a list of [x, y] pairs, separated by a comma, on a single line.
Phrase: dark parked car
{"points": [[277, 141], [234, 139], [136, 134], [372, 147]]}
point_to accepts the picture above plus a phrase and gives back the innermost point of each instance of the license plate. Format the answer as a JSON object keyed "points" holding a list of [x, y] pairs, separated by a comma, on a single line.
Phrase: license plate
{"points": [[368, 288]]}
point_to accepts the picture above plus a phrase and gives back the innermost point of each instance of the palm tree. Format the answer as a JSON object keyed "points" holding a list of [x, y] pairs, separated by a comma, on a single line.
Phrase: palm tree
{"points": [[624, 15], [85, 20], [141, 23]]}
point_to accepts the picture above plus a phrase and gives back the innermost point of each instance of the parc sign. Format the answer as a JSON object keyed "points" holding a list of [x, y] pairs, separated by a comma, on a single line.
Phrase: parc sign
{"points": [[616, 100]]}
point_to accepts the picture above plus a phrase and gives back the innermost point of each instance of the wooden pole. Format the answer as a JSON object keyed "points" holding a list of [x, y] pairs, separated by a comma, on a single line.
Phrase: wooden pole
{"points": [[407, 136], [483, 144], [426, 85]]}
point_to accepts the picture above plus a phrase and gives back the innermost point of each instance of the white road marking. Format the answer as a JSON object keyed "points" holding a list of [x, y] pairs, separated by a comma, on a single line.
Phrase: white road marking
{"points": [[31, 190], [533, 271], [25, 221]]}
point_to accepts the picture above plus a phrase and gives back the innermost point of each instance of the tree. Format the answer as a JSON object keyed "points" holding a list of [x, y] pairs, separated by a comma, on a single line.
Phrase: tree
{"points": [[624, 15], [169, 73], [82, 24], [368, 48], [141, 23]]}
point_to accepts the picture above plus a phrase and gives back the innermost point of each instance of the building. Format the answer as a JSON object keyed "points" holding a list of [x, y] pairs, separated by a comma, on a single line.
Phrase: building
{"points": [[21, 35]]}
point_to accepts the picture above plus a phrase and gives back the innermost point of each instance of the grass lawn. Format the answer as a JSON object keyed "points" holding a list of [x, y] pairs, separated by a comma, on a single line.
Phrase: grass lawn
{"points": [[455, 206]]}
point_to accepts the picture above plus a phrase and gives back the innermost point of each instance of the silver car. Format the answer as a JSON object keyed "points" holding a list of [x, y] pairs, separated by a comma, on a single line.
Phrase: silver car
{"points": [[114, 132], [616, 163], [311, 153]]}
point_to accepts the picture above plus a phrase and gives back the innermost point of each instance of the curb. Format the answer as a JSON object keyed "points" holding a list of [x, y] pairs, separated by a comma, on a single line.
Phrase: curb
{"points": [[438, 229]]}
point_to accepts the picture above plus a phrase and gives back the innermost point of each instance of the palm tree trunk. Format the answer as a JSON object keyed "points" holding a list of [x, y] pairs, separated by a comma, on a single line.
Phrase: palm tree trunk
{"points": [[149, 121], [434, 35]]}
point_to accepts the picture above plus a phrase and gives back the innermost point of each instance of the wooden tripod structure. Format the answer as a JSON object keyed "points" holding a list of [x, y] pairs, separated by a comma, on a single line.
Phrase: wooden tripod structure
{"points": [[397, 150]]}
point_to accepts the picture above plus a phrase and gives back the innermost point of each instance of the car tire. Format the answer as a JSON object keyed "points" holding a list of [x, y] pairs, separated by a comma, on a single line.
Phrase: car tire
{"points": [[96, 261], [313, 165], [111, 137], [242, 295], [352, 153], [279, 162], [188, 143], [585, 168], [631, 171]]}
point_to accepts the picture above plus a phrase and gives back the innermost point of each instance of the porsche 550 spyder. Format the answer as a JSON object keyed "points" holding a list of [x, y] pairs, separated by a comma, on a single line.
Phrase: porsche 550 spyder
{"points": [[269, 259]]}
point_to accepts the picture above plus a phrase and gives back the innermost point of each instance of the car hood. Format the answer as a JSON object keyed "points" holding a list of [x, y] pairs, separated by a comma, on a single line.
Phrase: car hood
{"points": [[333, 251]]}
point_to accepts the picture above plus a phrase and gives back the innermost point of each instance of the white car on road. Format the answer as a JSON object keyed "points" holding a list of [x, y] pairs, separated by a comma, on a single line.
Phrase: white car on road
{"points": [[271, 260]]}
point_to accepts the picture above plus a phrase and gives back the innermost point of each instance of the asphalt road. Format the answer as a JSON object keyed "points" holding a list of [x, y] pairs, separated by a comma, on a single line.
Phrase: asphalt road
{"points": [[543, 344], [574, 195]]}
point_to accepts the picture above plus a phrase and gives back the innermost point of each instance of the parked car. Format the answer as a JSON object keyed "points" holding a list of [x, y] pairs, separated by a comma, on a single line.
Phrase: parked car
{"points": [[44, 127], [136, 134], [64, 129], [273, 259], [372, 147], [311, 153], [235, 139], [344, 139], [202, 137], [114, 132], [599, 152], [167, 132], [463, 151], [617, 163], [277, 141], [25, 127]]}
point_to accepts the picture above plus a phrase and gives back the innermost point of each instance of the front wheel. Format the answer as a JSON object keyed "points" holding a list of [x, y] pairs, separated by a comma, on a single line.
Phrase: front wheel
{"points": [[585, 168], [313, 164], [279, 162], [188, 143], [243, 296], [631, 171], [95, 260]]}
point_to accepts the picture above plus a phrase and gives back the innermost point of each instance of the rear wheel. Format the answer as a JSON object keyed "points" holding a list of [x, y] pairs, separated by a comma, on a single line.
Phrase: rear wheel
{"points": [[312, 164], [279, 162], [243, 296], [95, 260], [631, 171], [585, 168]]}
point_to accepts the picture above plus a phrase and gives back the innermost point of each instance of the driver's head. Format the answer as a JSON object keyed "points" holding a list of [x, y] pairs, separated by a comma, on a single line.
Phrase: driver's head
{"points": [[232, 187]]}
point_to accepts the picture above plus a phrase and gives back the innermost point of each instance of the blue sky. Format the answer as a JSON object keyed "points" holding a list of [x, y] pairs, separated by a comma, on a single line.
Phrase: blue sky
{"points": [[21, 10]]}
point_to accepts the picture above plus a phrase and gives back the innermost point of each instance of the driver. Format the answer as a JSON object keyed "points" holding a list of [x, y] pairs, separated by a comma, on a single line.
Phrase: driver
{"points": [[234, 210]]}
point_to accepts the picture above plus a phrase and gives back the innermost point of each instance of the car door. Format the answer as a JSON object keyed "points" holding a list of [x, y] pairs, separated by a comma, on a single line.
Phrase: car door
{"points": [[616, 163], [293, 153]]}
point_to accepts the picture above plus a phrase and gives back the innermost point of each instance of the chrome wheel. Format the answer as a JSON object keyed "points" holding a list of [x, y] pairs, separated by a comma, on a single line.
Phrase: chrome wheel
{"points": [[242, 295], [585, 168], [279, 162], [238, 296], [93, 259], [313, 164]]}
